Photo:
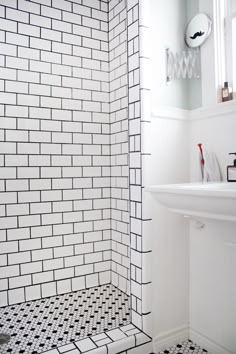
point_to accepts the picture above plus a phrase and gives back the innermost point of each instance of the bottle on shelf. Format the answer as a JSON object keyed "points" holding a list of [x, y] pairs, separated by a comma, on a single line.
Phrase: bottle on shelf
{"points": [[226, 92]]}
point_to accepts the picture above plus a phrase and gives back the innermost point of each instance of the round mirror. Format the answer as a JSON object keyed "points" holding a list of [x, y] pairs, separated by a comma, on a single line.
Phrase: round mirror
{"points": [[198, 30]]}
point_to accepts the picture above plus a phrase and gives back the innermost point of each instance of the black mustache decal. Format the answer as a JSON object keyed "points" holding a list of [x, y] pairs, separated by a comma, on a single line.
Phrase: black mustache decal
{"points": [[197, 34]]}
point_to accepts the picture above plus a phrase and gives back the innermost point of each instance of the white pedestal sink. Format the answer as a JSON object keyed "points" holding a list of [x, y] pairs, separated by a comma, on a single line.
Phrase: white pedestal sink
{"points": [[200, 200]]}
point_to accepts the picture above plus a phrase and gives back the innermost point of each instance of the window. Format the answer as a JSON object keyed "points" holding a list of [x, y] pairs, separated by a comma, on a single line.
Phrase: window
{"points": [[225, 42], [234, 52]]}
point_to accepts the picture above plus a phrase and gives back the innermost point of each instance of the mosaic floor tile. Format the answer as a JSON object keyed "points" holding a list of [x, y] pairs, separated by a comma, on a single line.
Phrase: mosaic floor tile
{"points": [[41, 325], [187, 347]]}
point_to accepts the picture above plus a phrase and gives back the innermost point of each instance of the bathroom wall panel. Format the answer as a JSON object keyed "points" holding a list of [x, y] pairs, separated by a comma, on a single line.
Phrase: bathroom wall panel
{"points": [[54, 148], [170, 232], [212, 250]]}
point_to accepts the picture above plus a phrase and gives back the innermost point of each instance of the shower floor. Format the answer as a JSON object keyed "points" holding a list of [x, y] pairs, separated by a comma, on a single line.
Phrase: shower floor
{"points": [[40, 325], [186, 347]]}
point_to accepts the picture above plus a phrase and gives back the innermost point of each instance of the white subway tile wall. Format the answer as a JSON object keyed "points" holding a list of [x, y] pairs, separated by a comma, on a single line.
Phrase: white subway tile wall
{"points": [[139, 148], [55, 151], [119, 144], [139, 121]]}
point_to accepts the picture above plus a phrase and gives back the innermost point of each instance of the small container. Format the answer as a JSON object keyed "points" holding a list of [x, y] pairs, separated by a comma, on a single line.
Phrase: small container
{"points": [[225, 92], [231, 170]]}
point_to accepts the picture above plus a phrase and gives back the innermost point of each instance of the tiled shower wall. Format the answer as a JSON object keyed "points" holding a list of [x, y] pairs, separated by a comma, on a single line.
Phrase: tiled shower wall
{"points": [[55, 150], [139, 155], [119, 144]]}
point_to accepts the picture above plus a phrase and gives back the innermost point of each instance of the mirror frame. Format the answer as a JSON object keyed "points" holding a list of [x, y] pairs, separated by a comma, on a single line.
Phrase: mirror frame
{"points": [[207, 22]]}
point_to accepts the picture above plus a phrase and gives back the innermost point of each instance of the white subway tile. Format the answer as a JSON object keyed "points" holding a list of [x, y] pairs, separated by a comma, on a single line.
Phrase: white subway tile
{"points": [[17, 209], [28, 76], [61, 48], [12, 3], [8, 49], [40, 21], [64, 286], [51, 12], [51, 34], [28, 30], [40, 208], [54, 241], [16, 295], [61, 70], [28, 7], [31, 268], [17, 87], [16, 15], [82, 10], [17, 39], [39, 160], [39, 43], [64, 273], [38, 89], [18, 282], [9, 271], [32, 292], [50, 79], [62, 26], [51, 57], [31, 220], [53, 264], [7, 98], [49, 289], [8, 25], [71, 17], [39, 66], [50, 102], [85, 345], [41, 231], [43, 277], [51, 219]]}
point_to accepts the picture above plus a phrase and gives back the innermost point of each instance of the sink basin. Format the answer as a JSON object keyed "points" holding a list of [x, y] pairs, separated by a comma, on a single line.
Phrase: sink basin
{"points": [[200, 200]]}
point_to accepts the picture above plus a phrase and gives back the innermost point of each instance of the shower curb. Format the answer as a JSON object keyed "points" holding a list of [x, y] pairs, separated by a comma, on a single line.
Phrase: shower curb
{"points": [[127, 339]]}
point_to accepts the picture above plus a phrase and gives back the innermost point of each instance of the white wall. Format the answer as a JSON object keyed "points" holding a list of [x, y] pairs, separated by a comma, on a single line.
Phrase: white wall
{"points": [[218, 135], [213, 249], [168, 164], [195, 86], [213, 287], [168, 22], [209, 276]]}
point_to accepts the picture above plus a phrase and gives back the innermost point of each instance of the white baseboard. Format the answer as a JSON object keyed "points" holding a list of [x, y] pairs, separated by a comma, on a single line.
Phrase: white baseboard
{"points": [[207, 343], [168, 339]]}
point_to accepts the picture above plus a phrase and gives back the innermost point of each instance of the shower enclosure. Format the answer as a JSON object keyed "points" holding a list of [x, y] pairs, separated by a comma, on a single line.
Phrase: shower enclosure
{"points": [[72, 255]]}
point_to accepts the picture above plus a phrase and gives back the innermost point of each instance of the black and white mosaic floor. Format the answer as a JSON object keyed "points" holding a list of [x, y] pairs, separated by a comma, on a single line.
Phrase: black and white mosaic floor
{"points": [[187, 347], [41, 325]]}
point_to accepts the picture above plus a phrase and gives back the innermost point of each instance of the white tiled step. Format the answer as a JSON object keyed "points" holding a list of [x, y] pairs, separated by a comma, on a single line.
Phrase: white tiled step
{"points": [[120, 340]]}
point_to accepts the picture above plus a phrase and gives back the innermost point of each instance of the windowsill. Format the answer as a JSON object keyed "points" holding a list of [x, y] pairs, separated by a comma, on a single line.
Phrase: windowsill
{"points": [[208, 112]]}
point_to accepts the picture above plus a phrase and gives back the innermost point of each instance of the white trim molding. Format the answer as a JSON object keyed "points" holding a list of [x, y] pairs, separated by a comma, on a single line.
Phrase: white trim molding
{"points": [[221, 109], [171, 113], [205, 342], [170, 338]]}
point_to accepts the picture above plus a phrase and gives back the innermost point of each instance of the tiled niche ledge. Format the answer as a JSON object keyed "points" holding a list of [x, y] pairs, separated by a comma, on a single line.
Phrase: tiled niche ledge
{"points": [[125, 340]]}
